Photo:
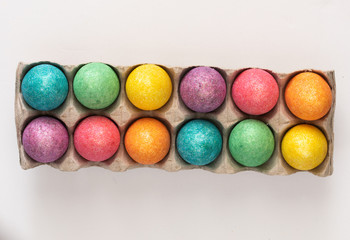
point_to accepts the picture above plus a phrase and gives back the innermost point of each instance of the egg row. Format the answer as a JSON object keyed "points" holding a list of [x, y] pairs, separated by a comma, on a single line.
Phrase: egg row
{"points": [[202, 89], [199, 142]]}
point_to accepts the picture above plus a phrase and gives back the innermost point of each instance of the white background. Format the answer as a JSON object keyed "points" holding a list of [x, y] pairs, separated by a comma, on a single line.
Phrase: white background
{"points": [[46, 204]]}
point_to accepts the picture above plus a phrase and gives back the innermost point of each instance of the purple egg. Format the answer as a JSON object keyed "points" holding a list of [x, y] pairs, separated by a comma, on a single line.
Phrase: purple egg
{"points": [[203, 89], [45, 139]]}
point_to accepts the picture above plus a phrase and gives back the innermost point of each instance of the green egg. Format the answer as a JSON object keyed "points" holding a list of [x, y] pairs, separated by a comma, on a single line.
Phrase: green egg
{"points": [[251, 143], [96, 85]]}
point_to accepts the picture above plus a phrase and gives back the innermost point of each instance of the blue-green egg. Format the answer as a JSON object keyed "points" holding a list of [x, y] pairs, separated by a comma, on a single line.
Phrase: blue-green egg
{"points": [[199, 142], [44, 87]]}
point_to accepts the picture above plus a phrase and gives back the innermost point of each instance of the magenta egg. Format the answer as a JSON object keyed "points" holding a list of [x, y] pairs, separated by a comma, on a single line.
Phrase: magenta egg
{"points": [[45, 139], [203, 89], [255, 91]]}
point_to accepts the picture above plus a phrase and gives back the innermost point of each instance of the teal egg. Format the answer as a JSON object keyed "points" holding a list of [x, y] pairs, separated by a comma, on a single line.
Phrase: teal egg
{"points": [[251, 143], [199, 142], [44, 87], [96, 85]]}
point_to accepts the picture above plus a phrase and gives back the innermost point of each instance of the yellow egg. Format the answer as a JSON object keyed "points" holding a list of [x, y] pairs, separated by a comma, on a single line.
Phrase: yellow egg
{"points": [[148, 87], [304, 147]]}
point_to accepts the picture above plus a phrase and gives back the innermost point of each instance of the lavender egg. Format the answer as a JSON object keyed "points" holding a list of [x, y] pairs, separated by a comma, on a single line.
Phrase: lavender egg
{"points": [[45, 139], [203, 89]]}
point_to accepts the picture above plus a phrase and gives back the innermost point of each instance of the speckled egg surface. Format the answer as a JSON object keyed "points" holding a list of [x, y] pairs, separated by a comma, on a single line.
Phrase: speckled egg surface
{"points": [[304, 147], [308, 96], [96, 138], [251, 143], [96, 85], [255, 91], [199, 142], [148, 87], [45, 139], [203, 89], [44, 87], [147, 141]]}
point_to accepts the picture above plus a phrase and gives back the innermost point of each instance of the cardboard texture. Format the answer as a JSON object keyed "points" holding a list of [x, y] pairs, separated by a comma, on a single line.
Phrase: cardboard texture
{"points": [[174, 114]]}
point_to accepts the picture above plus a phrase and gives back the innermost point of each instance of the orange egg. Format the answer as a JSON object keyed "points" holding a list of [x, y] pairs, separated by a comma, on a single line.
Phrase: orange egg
{"points": [[308, 96], [147, 141]]}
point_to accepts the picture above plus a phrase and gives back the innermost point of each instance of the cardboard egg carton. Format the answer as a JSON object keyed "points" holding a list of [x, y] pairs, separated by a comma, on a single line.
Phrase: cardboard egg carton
{"points": [[174, 114]]}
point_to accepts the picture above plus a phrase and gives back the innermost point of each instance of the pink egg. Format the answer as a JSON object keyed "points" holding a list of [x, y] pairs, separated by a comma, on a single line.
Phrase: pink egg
{"points": [[255, 91], [96, 138]]}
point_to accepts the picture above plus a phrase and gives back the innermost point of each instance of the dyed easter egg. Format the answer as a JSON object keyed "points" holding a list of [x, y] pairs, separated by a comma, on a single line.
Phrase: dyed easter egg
{"points": [[96, 138], [304, 147], [44, 87], [203, 89], [147, 141], [251, 143], [96, 85], [255, 91], [148, 87], [199, 142], [45, 139], [308, 96]]}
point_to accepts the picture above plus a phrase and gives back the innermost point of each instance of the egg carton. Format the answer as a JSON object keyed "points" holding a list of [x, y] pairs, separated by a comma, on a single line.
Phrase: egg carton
{"points": [[174, 114]]}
